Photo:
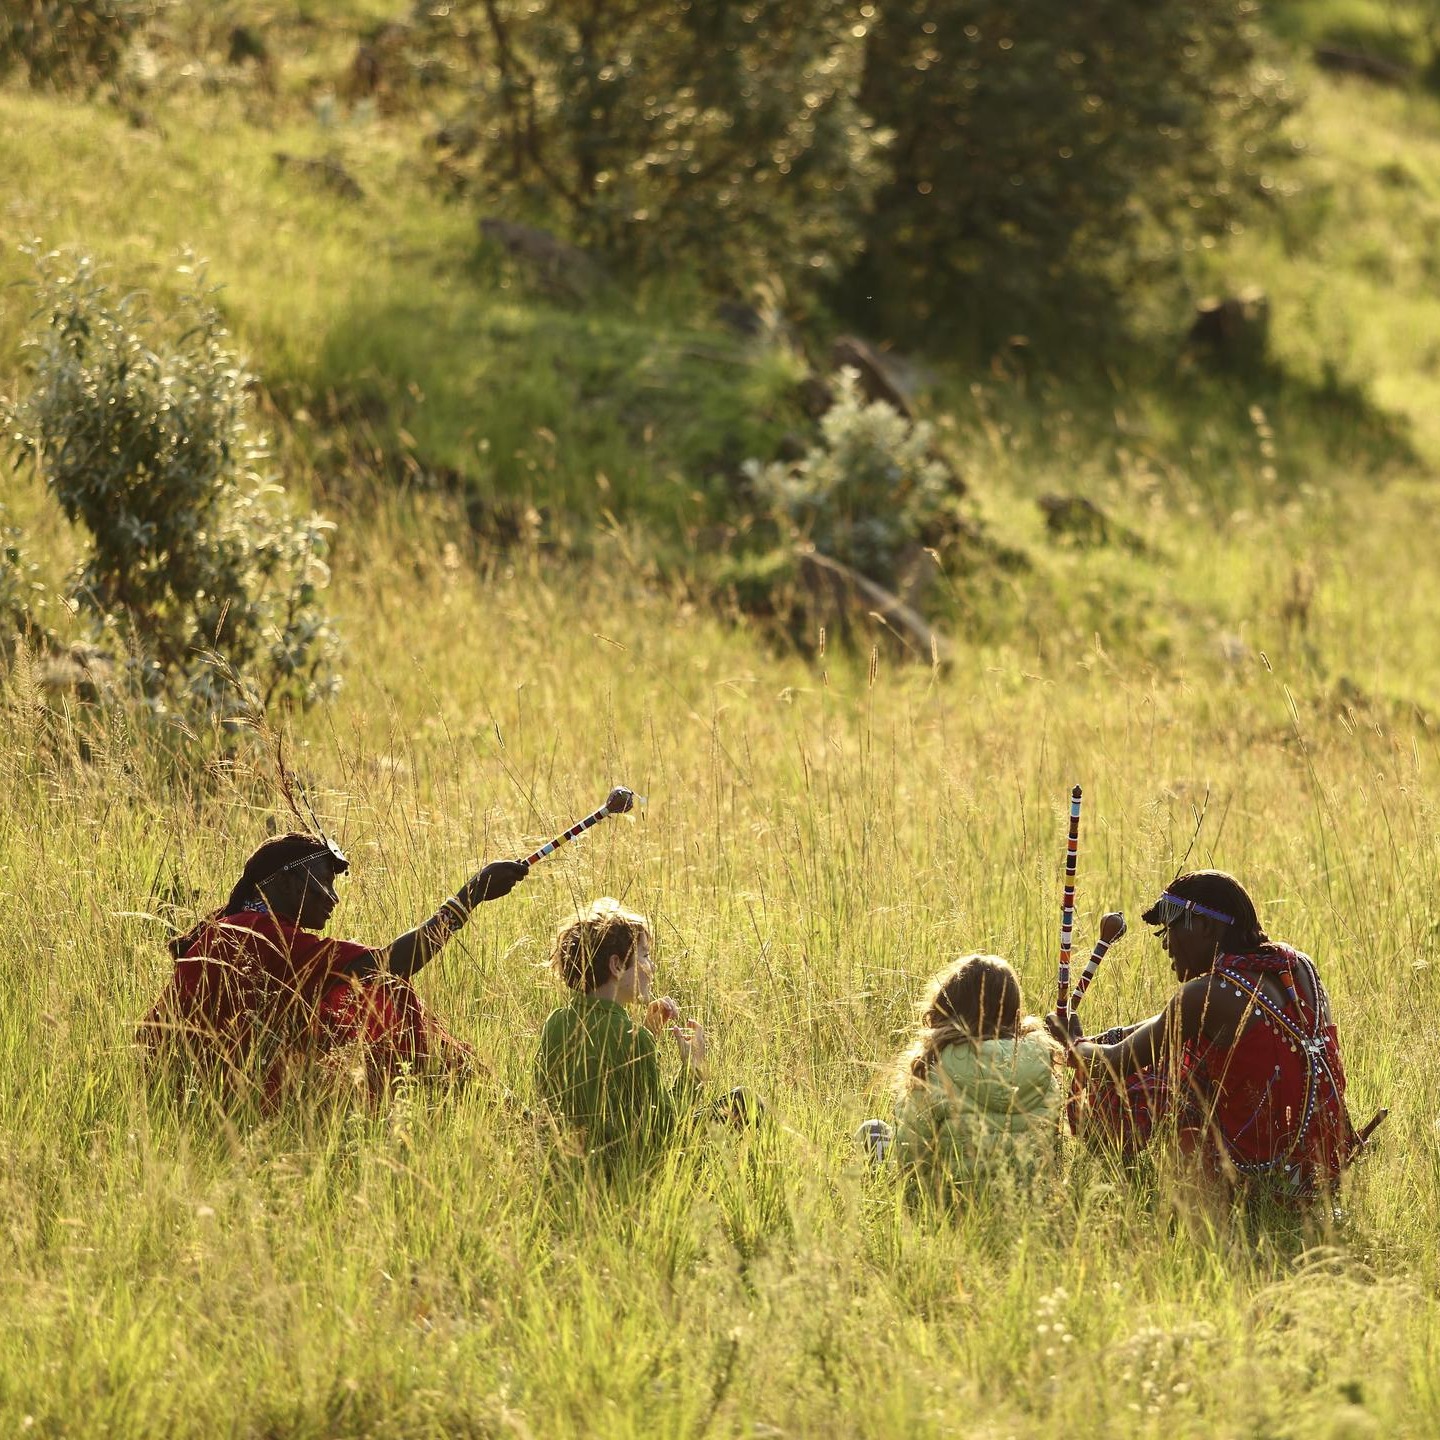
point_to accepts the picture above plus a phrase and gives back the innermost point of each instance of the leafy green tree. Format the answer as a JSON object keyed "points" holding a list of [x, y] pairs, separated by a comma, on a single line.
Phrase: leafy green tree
{"points": [[725, 132], [141, 428], [1042, 149], [69, 42]]}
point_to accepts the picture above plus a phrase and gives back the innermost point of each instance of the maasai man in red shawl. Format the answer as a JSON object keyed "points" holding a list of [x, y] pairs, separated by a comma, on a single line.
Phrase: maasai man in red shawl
{"points": [[255, 991], [1244, 1061]]}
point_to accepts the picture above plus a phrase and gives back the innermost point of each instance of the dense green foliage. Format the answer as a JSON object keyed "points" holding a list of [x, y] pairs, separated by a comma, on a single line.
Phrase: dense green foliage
{"points": [[1041, 151], [1027, 158], [723, 133], [69, 42], [142, 430]]}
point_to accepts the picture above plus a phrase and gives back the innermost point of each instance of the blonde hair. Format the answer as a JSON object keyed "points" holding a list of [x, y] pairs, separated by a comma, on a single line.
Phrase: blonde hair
{"points": [[977, 998], [589, 940]]}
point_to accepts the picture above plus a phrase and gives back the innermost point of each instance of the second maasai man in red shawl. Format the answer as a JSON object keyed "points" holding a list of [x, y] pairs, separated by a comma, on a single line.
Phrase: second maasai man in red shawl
{"points": [[1244, 1061], [255, 990]]}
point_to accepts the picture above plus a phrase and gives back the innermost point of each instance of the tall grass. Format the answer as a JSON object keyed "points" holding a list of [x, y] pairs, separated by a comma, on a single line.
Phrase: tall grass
{"points": [[817, 842], [820, 837]]}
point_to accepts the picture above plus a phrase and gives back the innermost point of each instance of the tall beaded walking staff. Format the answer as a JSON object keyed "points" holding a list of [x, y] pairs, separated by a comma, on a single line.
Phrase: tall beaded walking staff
{"points": [[619, 802], [1112, 927], [1067, 908]]}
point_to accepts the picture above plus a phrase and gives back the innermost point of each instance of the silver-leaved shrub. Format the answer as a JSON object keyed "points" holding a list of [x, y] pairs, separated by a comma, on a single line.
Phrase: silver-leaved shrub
{"points": [[869, 492], [141, 425]]}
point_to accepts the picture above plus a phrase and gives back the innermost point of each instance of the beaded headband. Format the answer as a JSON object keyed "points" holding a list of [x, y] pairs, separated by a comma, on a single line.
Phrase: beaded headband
{"points": [[1174, 909], [329, 851]]}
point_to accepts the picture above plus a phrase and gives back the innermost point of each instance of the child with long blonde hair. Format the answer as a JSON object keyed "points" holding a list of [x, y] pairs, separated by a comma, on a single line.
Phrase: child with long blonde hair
{"points": [[977, 1096]]}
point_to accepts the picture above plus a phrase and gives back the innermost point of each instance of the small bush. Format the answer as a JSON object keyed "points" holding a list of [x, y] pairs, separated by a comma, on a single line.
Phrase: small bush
{"points": [[142, 430], [870, 492]]}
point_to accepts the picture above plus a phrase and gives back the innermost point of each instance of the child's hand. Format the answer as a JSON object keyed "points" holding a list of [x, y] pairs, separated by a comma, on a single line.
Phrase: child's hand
{"points": [[690, 1037], [661, 1013]]}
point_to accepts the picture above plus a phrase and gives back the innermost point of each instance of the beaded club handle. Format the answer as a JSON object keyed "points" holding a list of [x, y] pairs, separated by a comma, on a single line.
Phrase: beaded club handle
{"points": [[1112, 928], [619, 802], [1067, 908]]}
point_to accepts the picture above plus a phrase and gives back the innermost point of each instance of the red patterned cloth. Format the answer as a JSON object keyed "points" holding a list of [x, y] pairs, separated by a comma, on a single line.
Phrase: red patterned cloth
{"points": [[248, 981], [253, 993], [1119, 1112], [1271, 1104], [383, 1017]]}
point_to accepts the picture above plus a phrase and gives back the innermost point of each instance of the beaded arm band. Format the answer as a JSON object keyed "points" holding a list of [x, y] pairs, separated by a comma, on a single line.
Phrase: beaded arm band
{"points": [[446, 921], [1112, 1036]]}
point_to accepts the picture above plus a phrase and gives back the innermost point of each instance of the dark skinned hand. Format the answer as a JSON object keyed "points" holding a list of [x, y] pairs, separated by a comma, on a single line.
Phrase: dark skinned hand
{"points": [[497, 879], [1064, 1035]]}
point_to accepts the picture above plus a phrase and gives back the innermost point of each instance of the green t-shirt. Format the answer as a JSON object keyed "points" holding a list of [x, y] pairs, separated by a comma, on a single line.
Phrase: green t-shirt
{"points": [[600, 1071]]}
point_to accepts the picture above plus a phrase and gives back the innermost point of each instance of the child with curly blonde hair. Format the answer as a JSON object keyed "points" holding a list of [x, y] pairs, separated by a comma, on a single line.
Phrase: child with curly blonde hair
{"points": [[598, 1070]]}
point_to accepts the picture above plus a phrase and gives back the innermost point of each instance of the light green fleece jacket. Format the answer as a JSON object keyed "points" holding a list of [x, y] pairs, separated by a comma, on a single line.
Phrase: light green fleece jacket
{"points": [[985, 1110]]}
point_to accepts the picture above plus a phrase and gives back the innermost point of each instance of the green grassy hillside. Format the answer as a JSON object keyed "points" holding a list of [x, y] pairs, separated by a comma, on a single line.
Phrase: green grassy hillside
{"points": [[815, 845], [394, 347]]}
